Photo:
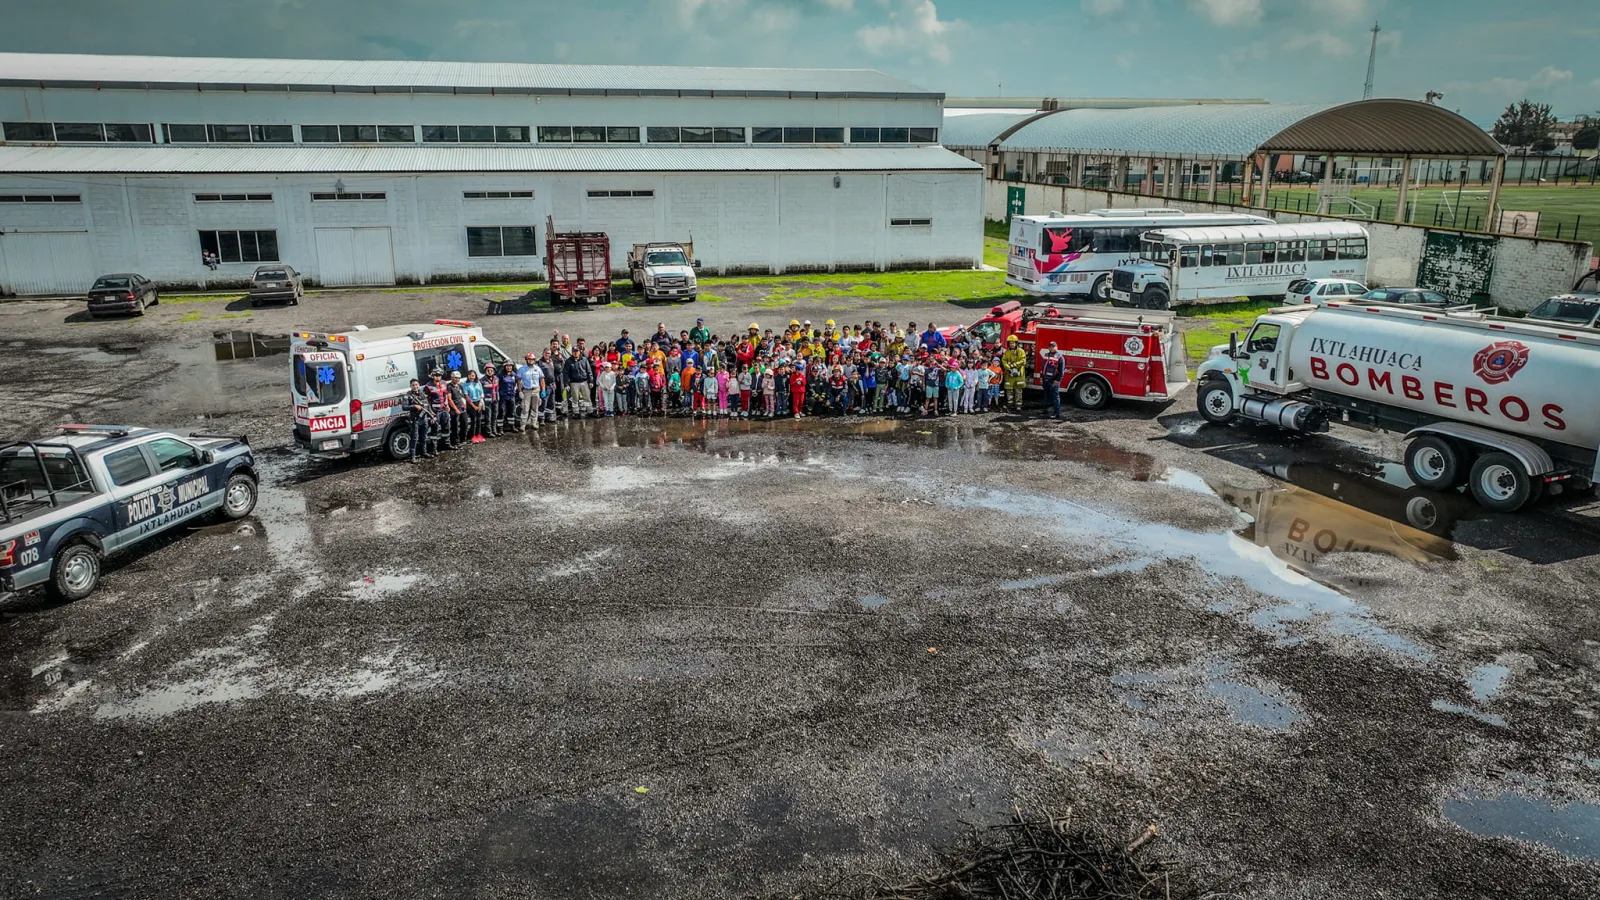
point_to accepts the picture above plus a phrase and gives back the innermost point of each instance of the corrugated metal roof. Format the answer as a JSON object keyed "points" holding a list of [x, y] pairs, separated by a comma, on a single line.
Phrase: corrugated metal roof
{"points": [[347, 160], [214, 73], [1163, 131], [1387, 127], [978, 129]]}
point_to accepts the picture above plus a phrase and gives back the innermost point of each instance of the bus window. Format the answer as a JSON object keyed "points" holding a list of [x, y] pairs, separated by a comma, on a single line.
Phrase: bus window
{"points": [[1064, 240], [1115, 240], [1269, 253], [1189, 257], [1313, 251], [1252, 254], [1219, 255], [1296, 252], [1235, 254], [1205, 255], [1353, 248]]}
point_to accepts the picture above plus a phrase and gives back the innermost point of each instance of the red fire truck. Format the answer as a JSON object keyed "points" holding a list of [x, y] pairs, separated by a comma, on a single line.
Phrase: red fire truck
{"points": [[1127, 354]]}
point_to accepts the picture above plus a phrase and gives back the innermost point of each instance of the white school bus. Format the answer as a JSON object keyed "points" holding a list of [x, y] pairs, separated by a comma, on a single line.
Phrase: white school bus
{"points": [[1071, 257], [1179, 266]]}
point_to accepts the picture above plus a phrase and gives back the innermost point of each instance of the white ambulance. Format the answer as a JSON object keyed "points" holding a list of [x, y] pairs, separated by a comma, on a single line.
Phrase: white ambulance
{"points": [[346, 387]]}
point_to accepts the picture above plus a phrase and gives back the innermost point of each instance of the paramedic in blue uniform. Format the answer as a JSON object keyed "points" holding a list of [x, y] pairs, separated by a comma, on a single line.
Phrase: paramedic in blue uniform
{"points": [[510, 389]]}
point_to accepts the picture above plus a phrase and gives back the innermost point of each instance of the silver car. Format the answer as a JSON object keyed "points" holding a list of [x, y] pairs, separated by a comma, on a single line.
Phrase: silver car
{"points": [[276, 282]]}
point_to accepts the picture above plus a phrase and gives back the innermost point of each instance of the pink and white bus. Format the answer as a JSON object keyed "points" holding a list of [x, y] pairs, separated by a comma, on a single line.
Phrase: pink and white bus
{"points": [[1072, 257]]}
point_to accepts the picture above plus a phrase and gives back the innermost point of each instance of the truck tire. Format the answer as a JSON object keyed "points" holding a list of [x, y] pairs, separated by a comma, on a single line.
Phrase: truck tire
{"points": [[1101, 291], [239, 496], [1499, 483], [1156, 298], [398, 443], [1215, 402], [1090, 392], [76, 572], [1434, 462]]}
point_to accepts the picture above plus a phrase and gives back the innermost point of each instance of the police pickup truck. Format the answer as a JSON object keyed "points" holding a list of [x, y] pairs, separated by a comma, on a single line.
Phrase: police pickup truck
{"points": [[68, 501]]}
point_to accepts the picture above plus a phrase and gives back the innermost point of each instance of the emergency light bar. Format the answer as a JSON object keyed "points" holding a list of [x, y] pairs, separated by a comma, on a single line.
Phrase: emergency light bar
{"points": [[453, 323], [114, 430]]}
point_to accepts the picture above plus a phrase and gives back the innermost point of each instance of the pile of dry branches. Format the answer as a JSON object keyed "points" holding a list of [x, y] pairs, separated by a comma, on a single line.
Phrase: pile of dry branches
{"points": [[1050, 859]]}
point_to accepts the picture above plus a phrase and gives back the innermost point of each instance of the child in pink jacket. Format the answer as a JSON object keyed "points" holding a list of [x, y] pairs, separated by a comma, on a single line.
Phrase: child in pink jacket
{"points": [[722, 391]]}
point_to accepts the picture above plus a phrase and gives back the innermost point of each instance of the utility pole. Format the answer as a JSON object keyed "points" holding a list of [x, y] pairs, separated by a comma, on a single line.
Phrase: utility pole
{"points": [[1372, 63]]}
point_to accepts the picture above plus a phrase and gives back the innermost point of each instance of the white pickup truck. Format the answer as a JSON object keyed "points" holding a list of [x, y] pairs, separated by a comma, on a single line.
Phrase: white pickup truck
{"points": [[664, 270], [66, 502]]}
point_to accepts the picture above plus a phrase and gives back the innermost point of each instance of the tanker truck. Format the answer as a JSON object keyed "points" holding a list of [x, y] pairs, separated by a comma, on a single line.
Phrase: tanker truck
{"points": [[1505, 406]]}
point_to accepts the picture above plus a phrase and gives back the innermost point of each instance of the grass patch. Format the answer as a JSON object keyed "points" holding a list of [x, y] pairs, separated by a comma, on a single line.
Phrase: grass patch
{"points": [[1245, 308], [233, 315], [1571, 212], [955, 285], [772, 302], [1209, 325], [713, 298], [194, 315], [995, 251]]}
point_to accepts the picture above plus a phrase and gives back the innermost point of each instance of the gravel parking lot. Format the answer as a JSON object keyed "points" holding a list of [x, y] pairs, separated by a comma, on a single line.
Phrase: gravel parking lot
{"points": [[673, 658]]}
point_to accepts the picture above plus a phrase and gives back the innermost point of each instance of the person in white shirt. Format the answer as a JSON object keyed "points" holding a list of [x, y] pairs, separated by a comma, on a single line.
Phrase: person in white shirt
{"points": [[608, 389]]}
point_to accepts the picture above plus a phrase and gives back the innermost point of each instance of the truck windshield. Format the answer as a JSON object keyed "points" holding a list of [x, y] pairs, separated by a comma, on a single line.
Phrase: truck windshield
{"points": [[1566, 311], [985, 332], [319, 381], [666, 258], [1156, 252]]}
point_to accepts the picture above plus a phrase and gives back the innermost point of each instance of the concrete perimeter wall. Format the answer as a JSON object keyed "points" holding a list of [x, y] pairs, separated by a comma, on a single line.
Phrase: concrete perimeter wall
{"points": [[1525, 270]]}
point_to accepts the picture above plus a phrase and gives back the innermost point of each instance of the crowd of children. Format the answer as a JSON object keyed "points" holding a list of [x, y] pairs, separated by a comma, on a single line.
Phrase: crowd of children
{"points": [[853, 370]]}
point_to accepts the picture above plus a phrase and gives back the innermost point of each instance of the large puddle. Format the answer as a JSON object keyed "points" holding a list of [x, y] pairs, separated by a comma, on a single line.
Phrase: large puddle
{"points": [[1571, 829]]}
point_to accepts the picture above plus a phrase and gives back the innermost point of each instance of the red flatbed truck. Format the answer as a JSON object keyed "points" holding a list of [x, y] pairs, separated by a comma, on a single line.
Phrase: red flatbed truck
{"points": [[579, 265], [1110, 353]]}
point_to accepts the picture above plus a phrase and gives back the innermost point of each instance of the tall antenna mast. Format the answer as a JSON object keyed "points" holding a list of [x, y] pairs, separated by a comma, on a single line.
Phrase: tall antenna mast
{"points": [[1372, 62]]}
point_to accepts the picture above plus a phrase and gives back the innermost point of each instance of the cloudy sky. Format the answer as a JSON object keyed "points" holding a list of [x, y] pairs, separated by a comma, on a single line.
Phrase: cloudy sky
{"points": [[1481, 54]]}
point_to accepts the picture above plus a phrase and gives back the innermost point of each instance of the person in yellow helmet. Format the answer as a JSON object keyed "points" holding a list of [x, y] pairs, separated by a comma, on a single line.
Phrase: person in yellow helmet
{"points": [[1014, 362]]}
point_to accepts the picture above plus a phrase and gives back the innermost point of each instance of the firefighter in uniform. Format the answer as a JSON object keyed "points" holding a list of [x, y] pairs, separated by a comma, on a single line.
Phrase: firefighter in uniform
{"points": [[440, 435], [1014, 362]]}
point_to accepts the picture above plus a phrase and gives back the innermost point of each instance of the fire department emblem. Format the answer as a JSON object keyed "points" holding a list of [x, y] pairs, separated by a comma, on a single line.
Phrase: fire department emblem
{"points": [[1496, 363], [1132, 346]]}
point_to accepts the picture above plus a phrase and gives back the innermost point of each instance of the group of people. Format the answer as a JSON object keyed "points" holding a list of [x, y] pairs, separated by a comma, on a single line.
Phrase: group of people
{"points": [[805, 370]]}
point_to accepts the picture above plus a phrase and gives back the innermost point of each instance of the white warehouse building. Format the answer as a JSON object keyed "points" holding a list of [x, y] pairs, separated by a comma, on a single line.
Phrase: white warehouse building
{"points": [[370, 173]]}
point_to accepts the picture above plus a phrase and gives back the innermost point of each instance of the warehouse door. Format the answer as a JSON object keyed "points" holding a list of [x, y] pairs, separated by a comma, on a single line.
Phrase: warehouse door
{"points": [[350, 256], [51, 262]]}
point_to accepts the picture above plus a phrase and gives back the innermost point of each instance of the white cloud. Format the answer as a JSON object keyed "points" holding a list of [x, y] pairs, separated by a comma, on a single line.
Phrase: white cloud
{"points": [[913, 26], [1102, 9], [1319, 44], [1229, 12], [1549, 77], [1340, 10]]}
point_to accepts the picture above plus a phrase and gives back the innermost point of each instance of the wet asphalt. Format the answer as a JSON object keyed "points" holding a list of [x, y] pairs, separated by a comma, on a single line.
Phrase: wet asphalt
{"points": [[677, 658]]}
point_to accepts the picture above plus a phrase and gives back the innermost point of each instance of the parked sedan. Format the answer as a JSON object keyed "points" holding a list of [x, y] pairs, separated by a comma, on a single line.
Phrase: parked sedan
{"points": [[1409, 296], [276, 282], [125, 293], [1321, 290]]}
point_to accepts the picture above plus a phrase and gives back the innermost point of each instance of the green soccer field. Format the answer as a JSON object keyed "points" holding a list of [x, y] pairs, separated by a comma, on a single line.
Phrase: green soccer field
{"points": [[1570, 213]]}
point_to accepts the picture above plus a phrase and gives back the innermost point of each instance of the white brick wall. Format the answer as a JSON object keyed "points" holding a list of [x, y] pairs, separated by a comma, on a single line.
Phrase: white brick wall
{"points": [[1526, 270], [739, 222]]}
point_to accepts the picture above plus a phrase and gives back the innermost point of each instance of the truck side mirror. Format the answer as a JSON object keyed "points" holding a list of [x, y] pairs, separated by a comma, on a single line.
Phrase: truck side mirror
{"points": [[1233, 345], [694, 263]]}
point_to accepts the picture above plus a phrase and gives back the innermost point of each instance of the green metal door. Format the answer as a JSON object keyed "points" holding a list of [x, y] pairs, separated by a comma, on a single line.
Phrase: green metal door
{"points": [[1457, 265]]}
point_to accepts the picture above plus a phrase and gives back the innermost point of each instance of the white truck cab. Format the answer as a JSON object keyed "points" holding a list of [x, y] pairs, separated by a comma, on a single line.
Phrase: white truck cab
{"points": [[346, 386]]}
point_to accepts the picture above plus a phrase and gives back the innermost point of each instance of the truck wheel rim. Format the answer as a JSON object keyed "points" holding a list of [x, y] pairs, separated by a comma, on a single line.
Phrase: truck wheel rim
{"points": [[1430, 462], [1219, 403], [238, 496], [1498, 482], [80, 572], [1091, 394]]}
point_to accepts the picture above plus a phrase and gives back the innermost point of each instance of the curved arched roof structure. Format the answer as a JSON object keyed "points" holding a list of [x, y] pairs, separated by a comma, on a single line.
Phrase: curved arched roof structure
{"points": [[978, 130], [1385, 127]]}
